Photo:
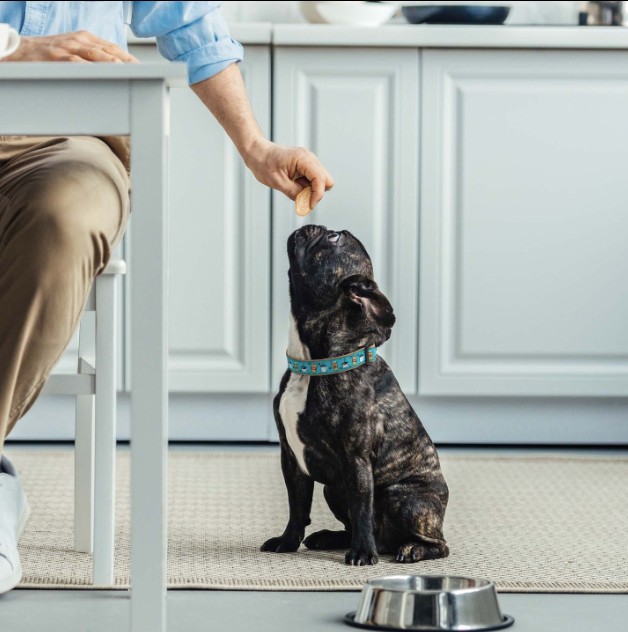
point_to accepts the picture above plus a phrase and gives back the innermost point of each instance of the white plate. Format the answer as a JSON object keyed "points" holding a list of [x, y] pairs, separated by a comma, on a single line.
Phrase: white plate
{"points": [[356, 15]]}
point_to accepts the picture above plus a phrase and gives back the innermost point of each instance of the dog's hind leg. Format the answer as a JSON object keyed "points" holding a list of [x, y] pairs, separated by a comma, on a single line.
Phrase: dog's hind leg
{"points": [[326, 540], [411, 523], [413, 552]]}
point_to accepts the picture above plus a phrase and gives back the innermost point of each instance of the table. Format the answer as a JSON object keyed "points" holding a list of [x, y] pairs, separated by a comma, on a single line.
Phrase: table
{"points": [[111, 99]]}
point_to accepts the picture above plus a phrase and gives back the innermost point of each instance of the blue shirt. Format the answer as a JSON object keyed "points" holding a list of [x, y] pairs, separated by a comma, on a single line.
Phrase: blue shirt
{"points": [[193, 32]]}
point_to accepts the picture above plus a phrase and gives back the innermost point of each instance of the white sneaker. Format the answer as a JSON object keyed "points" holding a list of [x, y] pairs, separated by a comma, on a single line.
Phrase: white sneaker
{"points": [[14, 513]]}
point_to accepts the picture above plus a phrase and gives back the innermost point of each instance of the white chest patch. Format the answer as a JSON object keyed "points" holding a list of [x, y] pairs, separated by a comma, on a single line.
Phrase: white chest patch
{"points": [[293, 400]]}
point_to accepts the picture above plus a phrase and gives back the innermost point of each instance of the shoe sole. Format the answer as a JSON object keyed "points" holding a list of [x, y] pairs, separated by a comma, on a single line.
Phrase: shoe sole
{"points": [[13, 580], [26, 514]]}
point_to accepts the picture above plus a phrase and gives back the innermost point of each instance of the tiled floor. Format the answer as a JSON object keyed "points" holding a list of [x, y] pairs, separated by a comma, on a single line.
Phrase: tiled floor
{"points": [[30, 611]]}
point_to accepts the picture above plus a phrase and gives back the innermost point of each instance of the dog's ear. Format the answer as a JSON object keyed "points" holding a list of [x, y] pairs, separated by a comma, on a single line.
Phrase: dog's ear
{"points": [[364, 292]]}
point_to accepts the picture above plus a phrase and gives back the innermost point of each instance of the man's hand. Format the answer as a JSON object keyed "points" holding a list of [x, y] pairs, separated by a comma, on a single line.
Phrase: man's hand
{"points": [[78, 47], [288, 169]]}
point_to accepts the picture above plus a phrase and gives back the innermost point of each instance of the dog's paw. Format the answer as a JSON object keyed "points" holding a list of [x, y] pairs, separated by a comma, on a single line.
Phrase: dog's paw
{"points": [[362, 557], [411, 553], [280, 545], [328, 540]]}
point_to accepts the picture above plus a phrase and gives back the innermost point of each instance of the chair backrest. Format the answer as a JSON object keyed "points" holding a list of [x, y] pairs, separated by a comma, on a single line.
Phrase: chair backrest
{"points": [[87, 333], [115, 266]]}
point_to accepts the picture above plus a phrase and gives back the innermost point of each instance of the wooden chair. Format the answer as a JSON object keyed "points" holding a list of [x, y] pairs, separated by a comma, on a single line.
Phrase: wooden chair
{"points": [[94, 387]]}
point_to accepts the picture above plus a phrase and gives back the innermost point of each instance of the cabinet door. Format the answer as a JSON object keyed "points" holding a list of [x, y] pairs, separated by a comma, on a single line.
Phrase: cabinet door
{"points": [[524, 223], [358, 110], [219, 247]]}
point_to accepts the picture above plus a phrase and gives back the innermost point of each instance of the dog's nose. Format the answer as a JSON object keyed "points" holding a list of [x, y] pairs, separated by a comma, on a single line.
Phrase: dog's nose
{"points": [[309, 231]]}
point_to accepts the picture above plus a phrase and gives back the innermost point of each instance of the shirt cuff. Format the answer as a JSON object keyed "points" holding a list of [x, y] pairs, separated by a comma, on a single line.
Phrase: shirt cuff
{"points": [[211, 59], [209, 70]]}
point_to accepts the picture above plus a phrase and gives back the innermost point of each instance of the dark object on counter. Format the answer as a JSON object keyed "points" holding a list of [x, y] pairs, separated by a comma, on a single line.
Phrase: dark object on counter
{"points": [[455, 14], [601, 14]]}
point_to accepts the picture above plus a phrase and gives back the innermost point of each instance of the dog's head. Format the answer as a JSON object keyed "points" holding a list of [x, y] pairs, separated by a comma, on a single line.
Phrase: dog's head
{"points": [[332, 288]]}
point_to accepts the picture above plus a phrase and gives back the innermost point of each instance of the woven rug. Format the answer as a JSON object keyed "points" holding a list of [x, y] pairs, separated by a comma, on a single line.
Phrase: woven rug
{"points": [[532, 524]]}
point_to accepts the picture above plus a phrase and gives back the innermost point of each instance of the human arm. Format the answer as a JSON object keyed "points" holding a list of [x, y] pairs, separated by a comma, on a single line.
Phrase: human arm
{"points": [[275, 166], [196, 33]]}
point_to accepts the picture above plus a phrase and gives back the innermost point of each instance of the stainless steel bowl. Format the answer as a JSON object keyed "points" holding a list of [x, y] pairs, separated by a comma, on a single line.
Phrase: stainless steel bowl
{"points": [[430, 604]]}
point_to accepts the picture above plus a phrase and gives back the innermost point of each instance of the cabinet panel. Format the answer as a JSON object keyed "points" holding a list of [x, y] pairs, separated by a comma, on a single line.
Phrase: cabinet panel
{"points": [[523, 250], [357, 109], [219, 247]]}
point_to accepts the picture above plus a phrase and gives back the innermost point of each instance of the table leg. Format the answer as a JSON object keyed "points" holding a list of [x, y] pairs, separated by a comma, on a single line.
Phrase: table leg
{"points": [[149, 356]]}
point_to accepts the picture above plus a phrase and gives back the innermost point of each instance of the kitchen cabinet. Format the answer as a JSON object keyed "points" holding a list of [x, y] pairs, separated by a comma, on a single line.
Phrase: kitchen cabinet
{"points": [[524, 223], [358, 110], [483, 169], [219, 246]]}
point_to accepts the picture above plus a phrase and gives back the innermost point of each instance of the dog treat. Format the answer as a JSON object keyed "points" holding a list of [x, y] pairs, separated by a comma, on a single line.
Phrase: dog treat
{"points": [[303, 201]]}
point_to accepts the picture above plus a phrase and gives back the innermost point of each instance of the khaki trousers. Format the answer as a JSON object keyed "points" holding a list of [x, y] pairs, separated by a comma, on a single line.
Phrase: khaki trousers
{"points": [[64, 205]]}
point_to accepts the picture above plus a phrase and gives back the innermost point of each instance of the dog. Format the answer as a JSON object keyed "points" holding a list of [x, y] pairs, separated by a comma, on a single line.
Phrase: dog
{"points": [[351, 428]]}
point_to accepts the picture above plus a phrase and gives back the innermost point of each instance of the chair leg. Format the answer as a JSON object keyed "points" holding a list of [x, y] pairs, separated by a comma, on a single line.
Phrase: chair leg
{"points": [[104, 508], [84, 475]]}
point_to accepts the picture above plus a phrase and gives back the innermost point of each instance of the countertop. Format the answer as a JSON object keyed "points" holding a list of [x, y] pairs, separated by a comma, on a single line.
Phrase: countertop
{"points": [[250, 33], [427, 36], [435, 36]]}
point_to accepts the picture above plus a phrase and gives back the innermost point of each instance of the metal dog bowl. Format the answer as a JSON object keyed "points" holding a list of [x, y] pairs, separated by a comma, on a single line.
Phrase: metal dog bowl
{"points": [[429, 604]]}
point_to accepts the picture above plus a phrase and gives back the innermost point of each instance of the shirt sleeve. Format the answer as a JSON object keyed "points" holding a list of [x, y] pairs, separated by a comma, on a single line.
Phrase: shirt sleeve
{"points": [[193, 32]]}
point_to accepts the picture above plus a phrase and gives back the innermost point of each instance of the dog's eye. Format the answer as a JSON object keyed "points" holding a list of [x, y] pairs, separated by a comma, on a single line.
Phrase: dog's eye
{"points": [[334, 237]]}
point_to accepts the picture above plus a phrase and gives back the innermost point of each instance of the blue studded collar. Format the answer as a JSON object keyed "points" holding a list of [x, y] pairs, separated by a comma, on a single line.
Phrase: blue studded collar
{"points": [[333, 366]]}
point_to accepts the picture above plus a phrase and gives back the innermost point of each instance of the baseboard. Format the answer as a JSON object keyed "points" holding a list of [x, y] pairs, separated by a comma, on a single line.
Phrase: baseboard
{"points": [[470, 421], [192, 418], [525, 421]]}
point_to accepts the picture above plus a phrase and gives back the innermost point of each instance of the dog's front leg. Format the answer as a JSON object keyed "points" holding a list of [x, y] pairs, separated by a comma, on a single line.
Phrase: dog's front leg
{"points": [[358, 477], [300, 490]]}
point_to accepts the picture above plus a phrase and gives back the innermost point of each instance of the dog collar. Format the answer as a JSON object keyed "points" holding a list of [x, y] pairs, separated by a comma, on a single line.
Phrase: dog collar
{"points": [[333, 366]]}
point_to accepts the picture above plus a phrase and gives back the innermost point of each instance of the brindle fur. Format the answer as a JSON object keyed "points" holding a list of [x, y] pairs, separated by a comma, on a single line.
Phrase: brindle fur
{"points": [[363, 441]]}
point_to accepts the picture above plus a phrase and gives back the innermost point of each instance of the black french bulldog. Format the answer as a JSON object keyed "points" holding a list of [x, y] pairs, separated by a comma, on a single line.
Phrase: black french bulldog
{"points": [[355, 432]]}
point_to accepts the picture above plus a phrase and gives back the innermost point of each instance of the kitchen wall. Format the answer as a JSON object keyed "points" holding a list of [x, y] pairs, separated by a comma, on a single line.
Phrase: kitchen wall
{"points": [[523, 12]]}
